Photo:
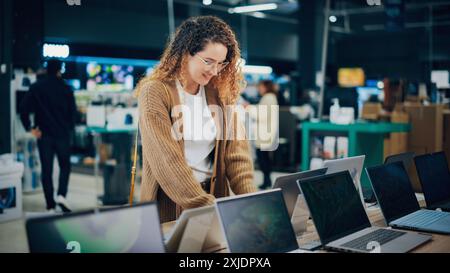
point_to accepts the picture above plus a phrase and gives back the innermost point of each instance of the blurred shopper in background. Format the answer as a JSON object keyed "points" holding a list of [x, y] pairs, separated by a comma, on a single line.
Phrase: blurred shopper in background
{"points": [[268, 92], [52, 102]]}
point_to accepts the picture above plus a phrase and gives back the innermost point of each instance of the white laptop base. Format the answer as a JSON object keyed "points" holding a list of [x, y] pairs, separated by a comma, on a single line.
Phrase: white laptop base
{"points": [[195, 233], [201, 233]]}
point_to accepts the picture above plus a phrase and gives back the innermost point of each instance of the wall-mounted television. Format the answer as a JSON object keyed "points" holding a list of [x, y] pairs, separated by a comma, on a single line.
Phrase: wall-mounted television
{"points": [[107, 77]]}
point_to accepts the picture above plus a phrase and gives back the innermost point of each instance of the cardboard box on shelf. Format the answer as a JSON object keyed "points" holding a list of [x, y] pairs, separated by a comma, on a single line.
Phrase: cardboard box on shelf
{"points": [[371, 110], [397, 143], [426, 133]]}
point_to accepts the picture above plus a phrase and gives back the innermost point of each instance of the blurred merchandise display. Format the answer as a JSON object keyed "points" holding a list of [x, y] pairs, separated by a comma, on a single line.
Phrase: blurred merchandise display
{"points": [[342, 147], [11, 173], [329, 147], [27, 153]]}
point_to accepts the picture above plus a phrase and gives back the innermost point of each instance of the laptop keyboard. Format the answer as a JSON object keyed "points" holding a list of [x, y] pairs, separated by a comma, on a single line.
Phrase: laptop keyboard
{"points": [[381, 236], [421, 218]]}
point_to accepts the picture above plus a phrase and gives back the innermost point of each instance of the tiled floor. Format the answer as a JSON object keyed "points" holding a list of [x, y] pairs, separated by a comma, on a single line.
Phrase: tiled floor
{"points": [[82, 195]]}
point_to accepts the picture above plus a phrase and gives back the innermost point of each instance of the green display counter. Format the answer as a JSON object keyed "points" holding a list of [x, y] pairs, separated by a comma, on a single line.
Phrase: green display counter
{"points": [[364, 138]]}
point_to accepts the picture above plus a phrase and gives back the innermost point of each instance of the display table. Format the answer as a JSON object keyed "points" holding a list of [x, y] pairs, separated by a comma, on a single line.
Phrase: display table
{"points": [[116, 172], [438, 244], [364, 138]]}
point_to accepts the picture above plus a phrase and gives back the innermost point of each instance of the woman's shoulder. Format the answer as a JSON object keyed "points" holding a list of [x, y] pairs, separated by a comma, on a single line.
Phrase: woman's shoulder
{"points": [[149, 84], [153, 92]]}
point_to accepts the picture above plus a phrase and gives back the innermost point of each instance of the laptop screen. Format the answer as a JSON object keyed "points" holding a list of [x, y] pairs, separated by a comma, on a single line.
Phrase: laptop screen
{"points": [[335, 206], [290, 189], [257, 223], [354, 165], [130, 229], [434, 176], [393, 190]]}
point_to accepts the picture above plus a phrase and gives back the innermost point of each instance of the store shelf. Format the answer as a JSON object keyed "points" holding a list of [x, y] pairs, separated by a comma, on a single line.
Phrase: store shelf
{"points": [[364, 138]]}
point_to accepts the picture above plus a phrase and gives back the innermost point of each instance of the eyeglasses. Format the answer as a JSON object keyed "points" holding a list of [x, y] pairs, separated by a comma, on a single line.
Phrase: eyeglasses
{"points": [[211, 64]]}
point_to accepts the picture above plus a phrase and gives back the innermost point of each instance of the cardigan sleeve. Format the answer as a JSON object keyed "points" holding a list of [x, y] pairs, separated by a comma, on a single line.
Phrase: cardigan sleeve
{"points": [[163, 152]]}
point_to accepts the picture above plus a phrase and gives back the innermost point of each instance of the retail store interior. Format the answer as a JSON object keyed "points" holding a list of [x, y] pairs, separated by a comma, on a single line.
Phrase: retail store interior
{"points": [[352, 78]]}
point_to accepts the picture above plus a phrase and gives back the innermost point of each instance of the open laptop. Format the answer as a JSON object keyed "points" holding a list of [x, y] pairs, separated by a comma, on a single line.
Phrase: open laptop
{"points": [[125, 229], [290, 189], [353, 164], [196, 230], [342, 223], [434, 177], [257, 223], [399, 205], [408, 161]]}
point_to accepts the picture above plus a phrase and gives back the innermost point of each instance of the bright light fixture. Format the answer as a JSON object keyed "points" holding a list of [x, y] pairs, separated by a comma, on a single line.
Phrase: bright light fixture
{"points": [[380, 84], [332, 19], [207, 2], [257, 69], [253, 8], [55, 51]]}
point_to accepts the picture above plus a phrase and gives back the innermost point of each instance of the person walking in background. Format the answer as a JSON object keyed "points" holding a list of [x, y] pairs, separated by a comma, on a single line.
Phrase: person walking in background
{"points": [[53, 104], [265, 123]]}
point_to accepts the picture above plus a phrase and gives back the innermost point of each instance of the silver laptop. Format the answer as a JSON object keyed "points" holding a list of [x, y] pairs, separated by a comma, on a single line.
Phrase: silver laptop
{"points": [[290, 189], [342, 223], [295, 203], [353, 164], [257, 223], [197, 230], [407, 159], [399, 205], [124, 229]]}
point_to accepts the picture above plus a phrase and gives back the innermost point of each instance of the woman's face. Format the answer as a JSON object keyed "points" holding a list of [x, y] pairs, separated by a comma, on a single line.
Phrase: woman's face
{"points": [[207, 63], [261, 89]]}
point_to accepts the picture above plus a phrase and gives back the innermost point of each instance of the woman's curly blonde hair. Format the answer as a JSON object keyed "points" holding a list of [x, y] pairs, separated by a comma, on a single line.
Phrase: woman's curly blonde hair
{"points": [[190, 38]]}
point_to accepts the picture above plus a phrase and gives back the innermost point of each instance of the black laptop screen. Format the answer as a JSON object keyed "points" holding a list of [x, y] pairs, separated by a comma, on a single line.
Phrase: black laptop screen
{"points": [[335, 206], [290, 189], [434, 177], [135, 229], [393, 190], [257, 224]]}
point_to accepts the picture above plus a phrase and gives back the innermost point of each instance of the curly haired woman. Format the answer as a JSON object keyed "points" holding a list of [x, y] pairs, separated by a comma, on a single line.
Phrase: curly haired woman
{"points": [[198, 70]]}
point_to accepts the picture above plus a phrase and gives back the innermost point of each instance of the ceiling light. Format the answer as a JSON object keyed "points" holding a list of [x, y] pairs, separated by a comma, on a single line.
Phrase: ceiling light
{"points": [[253, 8], [55, 51], [257, 69]]}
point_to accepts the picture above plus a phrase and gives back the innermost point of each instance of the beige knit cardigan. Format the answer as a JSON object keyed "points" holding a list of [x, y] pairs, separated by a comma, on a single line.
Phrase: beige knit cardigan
{"points": [[166, 177]]}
